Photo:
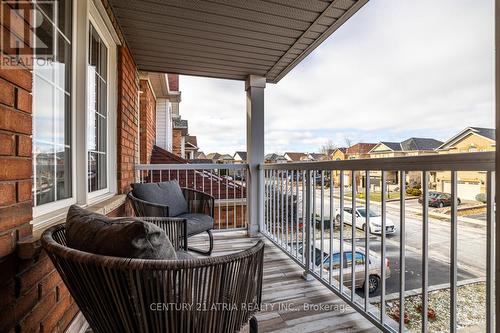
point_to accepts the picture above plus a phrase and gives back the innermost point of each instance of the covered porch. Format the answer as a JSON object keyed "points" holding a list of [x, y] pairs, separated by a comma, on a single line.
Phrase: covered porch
{"points": [[295, 208], [294, 205]]}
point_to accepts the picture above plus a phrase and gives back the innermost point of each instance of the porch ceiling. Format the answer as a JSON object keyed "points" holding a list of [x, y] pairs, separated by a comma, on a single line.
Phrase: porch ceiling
{"points": [[228, 39]]}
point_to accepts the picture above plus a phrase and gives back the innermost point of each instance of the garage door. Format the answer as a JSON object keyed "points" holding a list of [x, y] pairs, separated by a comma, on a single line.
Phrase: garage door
{"points": [[465, 190]]}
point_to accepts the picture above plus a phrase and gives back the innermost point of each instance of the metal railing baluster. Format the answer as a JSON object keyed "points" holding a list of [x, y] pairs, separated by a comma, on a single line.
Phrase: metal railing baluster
{"points": [[312, 219], [367, 238], [425, 250], [353, 235], [276, 211], [307, 246], [490, 252], [234, 198], [383, 265], [453, 254], [341, 231], [331, 229], [402, 247], [304, 210], [291, 211], [219, 218], [286, 208], [297, 214], [321, 221], [280, 208]]}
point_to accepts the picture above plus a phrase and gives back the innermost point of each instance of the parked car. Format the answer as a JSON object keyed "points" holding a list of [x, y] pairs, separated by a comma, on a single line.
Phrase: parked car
{"points": [[375, 220], [333, 258], [438, 199]]}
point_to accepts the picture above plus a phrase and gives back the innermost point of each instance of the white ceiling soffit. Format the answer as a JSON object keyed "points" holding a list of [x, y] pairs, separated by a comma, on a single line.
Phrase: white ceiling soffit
{"points": [[228, 39]]}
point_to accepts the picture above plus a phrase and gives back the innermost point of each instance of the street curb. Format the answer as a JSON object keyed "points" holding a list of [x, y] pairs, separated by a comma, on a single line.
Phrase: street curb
{"points": [[418, 291]]}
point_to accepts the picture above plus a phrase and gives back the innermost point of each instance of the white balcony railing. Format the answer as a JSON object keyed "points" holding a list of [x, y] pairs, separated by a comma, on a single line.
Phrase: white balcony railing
{"points": [[225, 182], [303, 209], [305, 202]]}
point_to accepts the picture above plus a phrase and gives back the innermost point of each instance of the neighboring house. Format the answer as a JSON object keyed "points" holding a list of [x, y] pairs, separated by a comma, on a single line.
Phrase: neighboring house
{"points": [[240, 157], [314, 157], [295, 157], [220, 158], [165, 88], [179, 133], [338, 154], [408, 147], [274, 158], [226, 159], [471, 139], [190, 147], [200, 156], [359, 150], [354, 152]]}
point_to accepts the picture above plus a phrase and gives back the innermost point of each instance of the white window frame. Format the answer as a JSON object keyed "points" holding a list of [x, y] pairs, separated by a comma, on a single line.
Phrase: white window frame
{"points": [[42, 212], [84, 12], [95, 18]]}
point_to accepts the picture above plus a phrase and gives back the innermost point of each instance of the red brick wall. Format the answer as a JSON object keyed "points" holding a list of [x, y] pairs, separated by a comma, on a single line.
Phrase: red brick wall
{"points": [[32, 296], [128, 119], [15, 148], [147, 121]]}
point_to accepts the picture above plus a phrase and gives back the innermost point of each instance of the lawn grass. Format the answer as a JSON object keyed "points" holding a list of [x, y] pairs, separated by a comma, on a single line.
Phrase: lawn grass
{"points": [[376, 196]]}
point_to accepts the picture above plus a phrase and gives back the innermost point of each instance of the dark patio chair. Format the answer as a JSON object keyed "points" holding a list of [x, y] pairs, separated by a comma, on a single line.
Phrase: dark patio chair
{"points": [[214, 294], [168, 199]]}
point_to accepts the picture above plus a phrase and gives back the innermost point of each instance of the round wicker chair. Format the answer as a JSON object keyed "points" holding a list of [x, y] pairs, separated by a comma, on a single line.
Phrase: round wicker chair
{"points": [[211, 294]]}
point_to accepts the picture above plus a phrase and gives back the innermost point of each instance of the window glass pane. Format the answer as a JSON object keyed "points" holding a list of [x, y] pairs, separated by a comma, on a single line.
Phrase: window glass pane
{"points": [[44, 173], [63, 168], [64, 14], [103, 63], [43, 113], [97, 171], [97, 112], [360, 258], [44, 46], [62, 120], [62, 65], [333, 260], [52, 129]]}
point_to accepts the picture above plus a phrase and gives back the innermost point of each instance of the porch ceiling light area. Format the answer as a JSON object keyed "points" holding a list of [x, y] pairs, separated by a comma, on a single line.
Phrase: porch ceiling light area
{"points": [[228, 39]]}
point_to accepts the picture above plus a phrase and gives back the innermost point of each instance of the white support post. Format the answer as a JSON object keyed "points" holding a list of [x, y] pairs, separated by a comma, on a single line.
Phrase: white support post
{"points": [[254, 87]]}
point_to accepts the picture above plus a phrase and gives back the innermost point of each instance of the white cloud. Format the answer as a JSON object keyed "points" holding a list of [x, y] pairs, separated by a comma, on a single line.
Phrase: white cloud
{"points": [[395, 69]]}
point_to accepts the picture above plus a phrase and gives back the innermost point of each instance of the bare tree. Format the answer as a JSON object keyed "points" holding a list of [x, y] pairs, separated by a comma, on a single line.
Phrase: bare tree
{"points": [[348, 141], [327, 147]]}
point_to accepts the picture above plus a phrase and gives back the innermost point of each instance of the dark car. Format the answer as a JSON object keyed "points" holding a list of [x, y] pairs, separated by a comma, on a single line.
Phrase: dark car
{"points": [[439, 199]]}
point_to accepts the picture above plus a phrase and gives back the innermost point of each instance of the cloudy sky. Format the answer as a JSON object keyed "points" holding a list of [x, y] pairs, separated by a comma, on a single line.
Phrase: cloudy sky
{"points": [[396, 69]]}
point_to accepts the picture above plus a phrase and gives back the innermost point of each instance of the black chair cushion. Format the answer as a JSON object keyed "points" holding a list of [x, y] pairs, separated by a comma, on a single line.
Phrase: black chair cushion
{"points": [[164, 193], [197, 223], [121, 237]]}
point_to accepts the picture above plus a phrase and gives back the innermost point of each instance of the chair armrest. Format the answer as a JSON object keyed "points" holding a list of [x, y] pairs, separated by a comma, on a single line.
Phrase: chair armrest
{"points": [[199, 202], [144, 208], [174, 227]]}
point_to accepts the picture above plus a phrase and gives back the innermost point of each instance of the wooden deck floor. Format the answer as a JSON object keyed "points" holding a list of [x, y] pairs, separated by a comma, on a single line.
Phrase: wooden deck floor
{"points": [[290, 302]]}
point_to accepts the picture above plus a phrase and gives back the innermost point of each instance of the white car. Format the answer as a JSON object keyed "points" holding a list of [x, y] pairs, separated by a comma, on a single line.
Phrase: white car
{"points": [[324, 261], [375, 220]]}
